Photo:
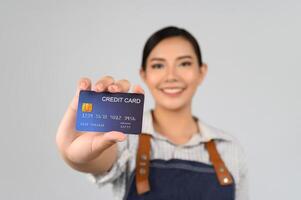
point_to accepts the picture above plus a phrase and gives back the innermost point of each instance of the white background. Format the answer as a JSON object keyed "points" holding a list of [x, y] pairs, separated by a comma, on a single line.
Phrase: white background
{"points": [[252, 89]]}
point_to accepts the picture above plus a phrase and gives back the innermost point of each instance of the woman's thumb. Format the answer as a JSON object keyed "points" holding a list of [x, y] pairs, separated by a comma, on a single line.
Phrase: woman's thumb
{"points": [[104, 141]]}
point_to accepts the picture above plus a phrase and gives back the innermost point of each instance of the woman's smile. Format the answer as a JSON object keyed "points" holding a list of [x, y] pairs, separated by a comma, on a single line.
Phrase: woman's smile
{"points": [[172, 91]]}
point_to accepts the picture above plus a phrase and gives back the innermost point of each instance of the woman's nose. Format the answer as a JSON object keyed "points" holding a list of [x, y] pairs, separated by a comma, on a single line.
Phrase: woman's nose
{"points": [[171, 73]]}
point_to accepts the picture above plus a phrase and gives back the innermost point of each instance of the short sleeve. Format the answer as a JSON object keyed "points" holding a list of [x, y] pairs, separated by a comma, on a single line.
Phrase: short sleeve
{"points": [[118, 168], [242, 187]]}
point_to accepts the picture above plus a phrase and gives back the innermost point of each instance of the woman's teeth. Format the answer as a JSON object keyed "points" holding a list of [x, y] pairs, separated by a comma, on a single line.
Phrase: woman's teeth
{"points": [[172, 90]]}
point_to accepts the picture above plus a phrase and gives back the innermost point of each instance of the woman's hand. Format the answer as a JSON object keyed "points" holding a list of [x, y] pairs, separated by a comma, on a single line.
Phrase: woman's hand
{"points": [[83, 147]]}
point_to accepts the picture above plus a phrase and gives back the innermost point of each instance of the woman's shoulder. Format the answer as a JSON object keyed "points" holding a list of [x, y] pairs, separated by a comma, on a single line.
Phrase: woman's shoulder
{"points": [[210, 132], [228, 144], [229, 147]]}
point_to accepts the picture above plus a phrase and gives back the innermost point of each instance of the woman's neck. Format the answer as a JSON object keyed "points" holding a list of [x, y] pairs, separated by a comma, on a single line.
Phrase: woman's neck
{"points": [[176, 125]]}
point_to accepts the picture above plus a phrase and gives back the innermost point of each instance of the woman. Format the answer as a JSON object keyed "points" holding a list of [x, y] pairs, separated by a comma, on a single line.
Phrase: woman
{"points": [[178, 156]]}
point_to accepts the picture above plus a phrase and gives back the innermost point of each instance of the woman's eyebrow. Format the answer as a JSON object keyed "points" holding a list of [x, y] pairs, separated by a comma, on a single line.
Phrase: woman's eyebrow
{"points": [[178, 58], [182, 57], [157, 59]]}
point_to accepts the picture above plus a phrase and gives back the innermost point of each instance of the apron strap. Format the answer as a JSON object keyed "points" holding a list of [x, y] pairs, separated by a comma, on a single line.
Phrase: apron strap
{"points": [[220, 168], [142, 163], [143, 160]]}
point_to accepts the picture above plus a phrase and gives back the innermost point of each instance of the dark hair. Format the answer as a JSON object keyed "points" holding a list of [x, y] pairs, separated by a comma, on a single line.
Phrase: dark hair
{"points": [[167, 32]]}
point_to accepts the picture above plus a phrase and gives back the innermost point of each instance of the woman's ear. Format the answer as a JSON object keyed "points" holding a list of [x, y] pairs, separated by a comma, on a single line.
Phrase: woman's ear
{"points": [[203, 72], [142, 74]]}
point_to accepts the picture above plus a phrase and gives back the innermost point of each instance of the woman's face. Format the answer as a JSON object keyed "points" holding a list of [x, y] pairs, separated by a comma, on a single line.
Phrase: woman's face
{"points": [[172, 73]]}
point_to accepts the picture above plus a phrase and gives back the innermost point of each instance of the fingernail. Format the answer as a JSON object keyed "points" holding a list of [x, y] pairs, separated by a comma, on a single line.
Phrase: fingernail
{"points": [[114, 88], [99, 87]]}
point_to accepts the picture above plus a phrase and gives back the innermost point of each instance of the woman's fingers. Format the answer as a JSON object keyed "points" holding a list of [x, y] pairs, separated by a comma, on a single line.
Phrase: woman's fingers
{"points": [[138, 89], [120, 86], [103, 84], [107, 83]]}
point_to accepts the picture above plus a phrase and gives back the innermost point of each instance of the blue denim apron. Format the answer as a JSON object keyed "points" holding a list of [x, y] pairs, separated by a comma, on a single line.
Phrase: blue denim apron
{"points": [[179, 179]]}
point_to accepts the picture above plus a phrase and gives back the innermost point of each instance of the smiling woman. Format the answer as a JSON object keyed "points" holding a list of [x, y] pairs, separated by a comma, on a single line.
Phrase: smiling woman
{"points": [[177, 155]]}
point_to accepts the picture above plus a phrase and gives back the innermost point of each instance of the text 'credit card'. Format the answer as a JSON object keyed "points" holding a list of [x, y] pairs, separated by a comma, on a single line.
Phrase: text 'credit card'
{"points": [[105, 111]]}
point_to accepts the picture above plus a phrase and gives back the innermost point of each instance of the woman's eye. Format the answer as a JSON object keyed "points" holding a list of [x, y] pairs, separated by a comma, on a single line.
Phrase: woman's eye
{"points": [[157, 66], [185, 64]]}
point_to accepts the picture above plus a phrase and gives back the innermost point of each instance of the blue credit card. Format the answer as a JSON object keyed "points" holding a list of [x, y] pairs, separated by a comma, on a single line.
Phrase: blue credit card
{"points": [[105, 111]]}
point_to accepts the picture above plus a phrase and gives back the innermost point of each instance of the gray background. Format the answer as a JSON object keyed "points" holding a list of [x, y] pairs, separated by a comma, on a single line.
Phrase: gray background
{"points": [[252, 89]]}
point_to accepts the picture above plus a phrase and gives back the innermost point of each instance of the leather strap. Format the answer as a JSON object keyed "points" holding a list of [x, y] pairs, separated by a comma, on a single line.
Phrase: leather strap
{"points": [[142, 164], [143, 160], [220, 168]]}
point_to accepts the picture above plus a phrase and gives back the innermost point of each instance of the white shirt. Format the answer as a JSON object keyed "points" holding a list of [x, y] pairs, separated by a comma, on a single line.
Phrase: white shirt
{"points": [[161, 148]]}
